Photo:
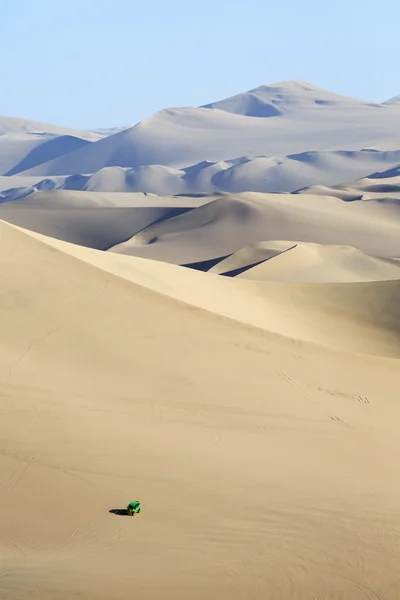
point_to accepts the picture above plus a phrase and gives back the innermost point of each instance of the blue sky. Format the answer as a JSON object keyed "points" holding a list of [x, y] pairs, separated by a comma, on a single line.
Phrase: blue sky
{"points": [[99, 63]]}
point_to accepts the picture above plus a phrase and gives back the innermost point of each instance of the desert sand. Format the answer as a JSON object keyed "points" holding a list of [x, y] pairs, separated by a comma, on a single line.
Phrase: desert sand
{"points": [[279, 137], [173, 332], [266, 464], [228, 223]]}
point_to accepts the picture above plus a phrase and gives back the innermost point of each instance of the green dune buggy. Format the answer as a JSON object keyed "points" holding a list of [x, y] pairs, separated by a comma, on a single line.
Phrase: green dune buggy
{"points": [[133, 508]]}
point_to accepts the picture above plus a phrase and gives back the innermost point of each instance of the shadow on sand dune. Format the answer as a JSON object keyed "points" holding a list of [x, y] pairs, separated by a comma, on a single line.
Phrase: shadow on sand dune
{"points": [[121, 512]]}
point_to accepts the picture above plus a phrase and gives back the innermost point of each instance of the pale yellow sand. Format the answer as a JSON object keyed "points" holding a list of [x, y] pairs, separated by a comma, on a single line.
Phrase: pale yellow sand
{"points": [[267, 467], [307, 263], [360, 318]]}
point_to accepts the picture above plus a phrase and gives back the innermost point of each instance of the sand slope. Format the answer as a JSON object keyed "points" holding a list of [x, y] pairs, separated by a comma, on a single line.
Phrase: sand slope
{"points": [[259, 174], [20, 152], [189, 229], [305, 262], [280, 137], [250, 256], [12, 125], [95, 220], [266, 467], [359, 317], [382, 186], [296, 118], [230, 222]]}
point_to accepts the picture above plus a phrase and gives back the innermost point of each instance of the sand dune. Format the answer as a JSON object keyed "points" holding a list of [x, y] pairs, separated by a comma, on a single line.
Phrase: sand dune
{"points": [[308, 119], [266, 467], [191, 230], [292, 172], [250, 256], [20, 152], [69, 199], [382, 186], [164, 228], [260, 174], [277, 98], [305, 262], [11, 125], [20, 182], [106, 131], [229, 223], [153, 179], [275, 138], [361, 318], [46, 149], [395, 172], [97, 220], [394, 100]]}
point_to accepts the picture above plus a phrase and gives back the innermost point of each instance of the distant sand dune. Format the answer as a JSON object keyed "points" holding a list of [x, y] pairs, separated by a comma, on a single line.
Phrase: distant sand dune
{"points": [[241, 174], [97, 220], [231, 222], [280, 137], [276, 120], [382, 186]]}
